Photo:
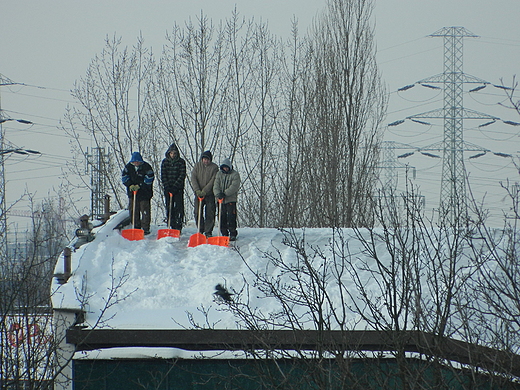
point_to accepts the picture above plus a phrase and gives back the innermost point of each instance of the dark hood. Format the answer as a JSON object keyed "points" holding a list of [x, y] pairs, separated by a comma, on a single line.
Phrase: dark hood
{"points": [[172, 147]]}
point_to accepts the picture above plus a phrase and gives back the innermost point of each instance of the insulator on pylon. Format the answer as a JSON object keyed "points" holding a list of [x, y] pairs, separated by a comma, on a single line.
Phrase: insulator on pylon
{"points": [[396, 123], [478, 155], [430, 86], [406, 87], [477, 88]]}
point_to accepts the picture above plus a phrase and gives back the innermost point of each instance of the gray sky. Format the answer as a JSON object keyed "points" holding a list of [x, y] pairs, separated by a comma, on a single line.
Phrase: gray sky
{"points": [[48, 45]]}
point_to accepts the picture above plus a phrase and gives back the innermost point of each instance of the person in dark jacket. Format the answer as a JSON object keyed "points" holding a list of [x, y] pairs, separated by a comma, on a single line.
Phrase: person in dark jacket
{"points": [[202, 180], [173, 175], [227, 184], [138, 177]]}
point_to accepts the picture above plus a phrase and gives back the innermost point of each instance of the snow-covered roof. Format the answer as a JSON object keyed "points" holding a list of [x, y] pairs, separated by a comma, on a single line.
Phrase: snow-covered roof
{"points": [[161, 283], [164, 284]]}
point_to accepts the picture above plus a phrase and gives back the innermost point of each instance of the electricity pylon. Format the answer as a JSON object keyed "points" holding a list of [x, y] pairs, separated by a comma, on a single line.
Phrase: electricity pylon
{"points": [[390, 164], [453, 200], [97, 163], [396, 204], [453, 197]]}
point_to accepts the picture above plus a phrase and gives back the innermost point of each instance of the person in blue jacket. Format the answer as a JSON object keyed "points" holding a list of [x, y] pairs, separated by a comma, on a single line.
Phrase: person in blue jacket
{"points": [[138, 177]]}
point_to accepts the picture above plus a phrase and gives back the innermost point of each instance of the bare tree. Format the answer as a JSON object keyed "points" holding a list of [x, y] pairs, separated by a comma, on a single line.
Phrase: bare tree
{"points": [[255, 92], [290, 189], [347, 102], [115, 112], [192, 88], [33, 348], [218, 89], [26, 333], [304, 136], [514, 102], [408, 274], [497, 300]]}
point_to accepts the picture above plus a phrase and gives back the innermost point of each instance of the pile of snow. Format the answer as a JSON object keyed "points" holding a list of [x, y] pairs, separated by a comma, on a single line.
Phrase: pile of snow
{"points": [[160, 284]]}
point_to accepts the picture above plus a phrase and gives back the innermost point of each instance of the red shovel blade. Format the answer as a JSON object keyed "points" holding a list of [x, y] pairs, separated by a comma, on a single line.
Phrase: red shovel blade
{"points": [[133, 234], [197, 239], [219, 240], [168, 233]]}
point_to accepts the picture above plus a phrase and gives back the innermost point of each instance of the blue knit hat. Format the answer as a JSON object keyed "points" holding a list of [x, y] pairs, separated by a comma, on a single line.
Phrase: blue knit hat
{"points": [[136, 156]]}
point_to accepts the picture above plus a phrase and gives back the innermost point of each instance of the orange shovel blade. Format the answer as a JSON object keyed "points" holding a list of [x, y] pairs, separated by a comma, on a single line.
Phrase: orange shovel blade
{"points": [[133, 234], [168, 233], [197, 239], [219, 240]]}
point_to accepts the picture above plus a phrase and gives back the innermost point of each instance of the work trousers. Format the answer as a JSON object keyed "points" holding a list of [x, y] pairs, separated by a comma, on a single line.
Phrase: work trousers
{"points": [[207, 217], [142, 213], [176, 208], [228, 222]]}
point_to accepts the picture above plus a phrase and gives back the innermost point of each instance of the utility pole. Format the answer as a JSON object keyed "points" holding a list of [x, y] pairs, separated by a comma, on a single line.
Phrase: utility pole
{"points": [[3, 216], [4, 81]]}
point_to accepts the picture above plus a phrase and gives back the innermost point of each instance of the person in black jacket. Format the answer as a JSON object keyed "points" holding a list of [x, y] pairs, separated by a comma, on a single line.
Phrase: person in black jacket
{"points": [[138, 176], [173, 174]]}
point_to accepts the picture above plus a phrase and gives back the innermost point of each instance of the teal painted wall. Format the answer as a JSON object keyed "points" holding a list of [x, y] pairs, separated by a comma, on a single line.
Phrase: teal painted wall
{"points": [[161, 374]]}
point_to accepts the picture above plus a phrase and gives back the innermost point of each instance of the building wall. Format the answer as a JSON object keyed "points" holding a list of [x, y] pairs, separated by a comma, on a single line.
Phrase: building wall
{"points": [[162, 374]]}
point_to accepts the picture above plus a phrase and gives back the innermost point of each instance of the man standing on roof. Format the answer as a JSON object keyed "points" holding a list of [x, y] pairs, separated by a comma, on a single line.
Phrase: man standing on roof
{"points": [[202, 180], [138, 178], [227, 184], [173, 174]]}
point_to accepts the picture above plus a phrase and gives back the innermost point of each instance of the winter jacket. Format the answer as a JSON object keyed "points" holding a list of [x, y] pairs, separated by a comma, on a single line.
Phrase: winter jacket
{"points": [[202, 176], [141, 175], [173, 172], [227, 183]]}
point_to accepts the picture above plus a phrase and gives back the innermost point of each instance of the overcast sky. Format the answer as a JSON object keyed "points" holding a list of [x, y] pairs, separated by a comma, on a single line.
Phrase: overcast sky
{"points": [[48, 45]]}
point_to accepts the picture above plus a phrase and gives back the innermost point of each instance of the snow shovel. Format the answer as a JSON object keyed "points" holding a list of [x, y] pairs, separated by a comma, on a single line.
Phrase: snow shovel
{"points": [[198, 238], [169, 232], [219, 240], [133, 234]]}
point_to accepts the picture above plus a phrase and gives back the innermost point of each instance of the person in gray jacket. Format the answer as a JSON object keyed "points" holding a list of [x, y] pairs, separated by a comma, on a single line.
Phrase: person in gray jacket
{"points": [[202, 181], [227, 184]]}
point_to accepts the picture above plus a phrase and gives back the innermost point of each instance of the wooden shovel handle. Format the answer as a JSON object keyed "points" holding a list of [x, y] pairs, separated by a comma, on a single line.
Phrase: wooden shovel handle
{"points": [[133, 209]]}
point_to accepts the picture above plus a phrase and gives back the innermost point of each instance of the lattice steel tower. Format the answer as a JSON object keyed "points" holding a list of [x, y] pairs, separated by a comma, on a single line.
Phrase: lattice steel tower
{"points": [[97, 163], [453, 197], [390, 165], [453, 182], [453, 201]]}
